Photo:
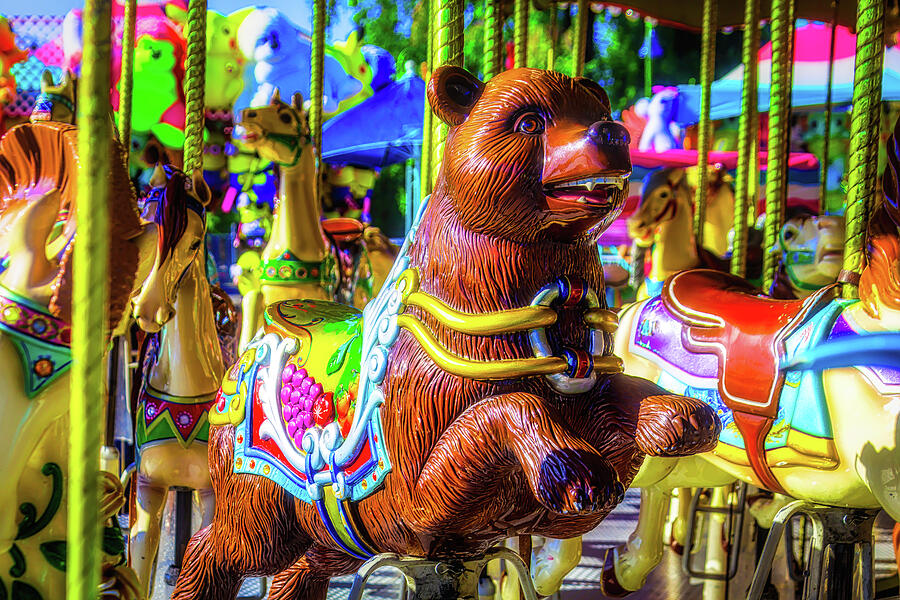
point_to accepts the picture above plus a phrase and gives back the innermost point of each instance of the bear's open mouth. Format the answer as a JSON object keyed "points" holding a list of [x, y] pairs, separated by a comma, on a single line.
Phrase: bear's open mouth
{"points": [[590, 191]]}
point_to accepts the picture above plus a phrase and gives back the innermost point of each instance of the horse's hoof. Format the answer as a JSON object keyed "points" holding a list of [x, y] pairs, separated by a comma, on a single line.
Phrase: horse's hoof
{"points": [[676, 547], [609, 583]]}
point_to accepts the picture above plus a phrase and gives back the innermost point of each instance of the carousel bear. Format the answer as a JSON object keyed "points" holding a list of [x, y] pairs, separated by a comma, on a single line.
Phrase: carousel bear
{"points": [[477, 396]]}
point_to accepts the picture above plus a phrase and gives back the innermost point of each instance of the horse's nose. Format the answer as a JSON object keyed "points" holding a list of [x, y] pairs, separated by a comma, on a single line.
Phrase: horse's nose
{"points": [[825, 222], [609, 133]]}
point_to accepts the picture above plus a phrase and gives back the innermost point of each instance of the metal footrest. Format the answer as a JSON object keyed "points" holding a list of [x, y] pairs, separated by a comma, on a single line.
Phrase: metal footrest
{"points": [[840, 561], [734, 516], [442, 580]]}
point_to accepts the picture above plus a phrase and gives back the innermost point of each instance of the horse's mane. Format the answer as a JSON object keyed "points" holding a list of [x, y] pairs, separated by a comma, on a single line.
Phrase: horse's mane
{"points": [[44, 156], [227, 323]]}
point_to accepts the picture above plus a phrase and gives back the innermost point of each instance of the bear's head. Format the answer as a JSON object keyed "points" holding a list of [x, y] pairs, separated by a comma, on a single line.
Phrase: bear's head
{"points": [[530, 156]]}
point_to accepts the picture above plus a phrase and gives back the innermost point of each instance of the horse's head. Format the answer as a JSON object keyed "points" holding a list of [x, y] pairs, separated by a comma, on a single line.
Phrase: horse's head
{"points": [[535, 154], [812, 250], [55, 102], [278, 131], [664, 193], [177, 204]]}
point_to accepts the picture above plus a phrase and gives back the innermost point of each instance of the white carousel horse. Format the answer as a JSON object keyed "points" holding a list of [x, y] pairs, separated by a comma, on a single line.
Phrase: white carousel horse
{"points": [[35, 293]]}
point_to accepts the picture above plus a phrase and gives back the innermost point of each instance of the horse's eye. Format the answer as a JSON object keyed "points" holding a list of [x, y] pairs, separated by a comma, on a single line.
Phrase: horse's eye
{"points": [[195, 245], [531, 124], [285, 118], [664, 195]]}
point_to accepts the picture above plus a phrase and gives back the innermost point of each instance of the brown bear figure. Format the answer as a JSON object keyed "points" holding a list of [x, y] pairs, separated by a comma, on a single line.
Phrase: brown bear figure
{"points": [[533, 169]]}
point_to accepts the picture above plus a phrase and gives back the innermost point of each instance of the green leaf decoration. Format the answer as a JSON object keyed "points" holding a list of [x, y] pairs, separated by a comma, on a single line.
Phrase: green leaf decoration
{"points": [[23, 591], [30, 525], [55, 553], [337, 359], [113, 541], [19, 565]]}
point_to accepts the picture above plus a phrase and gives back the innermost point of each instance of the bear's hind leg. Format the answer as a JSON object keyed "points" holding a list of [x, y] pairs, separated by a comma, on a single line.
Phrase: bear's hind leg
{"points": [[308, 578]]}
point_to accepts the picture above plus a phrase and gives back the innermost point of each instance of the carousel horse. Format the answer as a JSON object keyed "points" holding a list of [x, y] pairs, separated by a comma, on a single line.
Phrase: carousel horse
{"points": [[55, 102], [812, 251], [305, 257], [663, 223], [181, 365], [828, 437], [339, 435], [297, 262], [37, 184]]}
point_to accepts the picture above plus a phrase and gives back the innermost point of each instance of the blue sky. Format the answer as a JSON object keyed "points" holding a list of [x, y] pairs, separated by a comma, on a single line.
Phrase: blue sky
{"points": [[299, 11]]}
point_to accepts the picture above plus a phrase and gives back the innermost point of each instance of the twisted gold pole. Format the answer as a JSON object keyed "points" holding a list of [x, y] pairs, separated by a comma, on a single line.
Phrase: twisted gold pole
{"points": [[864, 128], [704, 129], [779, 124], [520, 49], [89, 307], [428, 122], [316, 87], [580, 41], [127, 79], [746, 143], [493, 38], [194, 83], [448, 50]]}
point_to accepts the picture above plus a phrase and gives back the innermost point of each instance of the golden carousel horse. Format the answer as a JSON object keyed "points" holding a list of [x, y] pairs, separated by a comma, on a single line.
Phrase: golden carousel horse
{"points": [[828, 438], [37, 184], [303, 258], [181, 364], [663, 224]]}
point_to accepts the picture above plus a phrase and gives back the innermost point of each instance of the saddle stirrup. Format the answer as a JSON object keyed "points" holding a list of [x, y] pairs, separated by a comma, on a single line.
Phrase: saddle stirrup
{"points": [[841, 553], [442, 580]]}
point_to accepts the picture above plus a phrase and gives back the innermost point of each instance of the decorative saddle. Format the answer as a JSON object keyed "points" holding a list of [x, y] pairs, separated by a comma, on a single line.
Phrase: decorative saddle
{"points": [[717, 340]]}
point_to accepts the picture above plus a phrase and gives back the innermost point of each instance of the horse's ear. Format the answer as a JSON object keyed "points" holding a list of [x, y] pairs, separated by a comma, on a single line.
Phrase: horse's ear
{"points": [[452, 92], [158, 179], [276, 97], [297, 102], [200, 187], [47, 79], [677, 177]]}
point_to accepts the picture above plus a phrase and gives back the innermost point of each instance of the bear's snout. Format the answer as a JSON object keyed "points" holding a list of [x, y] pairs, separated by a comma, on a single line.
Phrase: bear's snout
{"points": [[609, 133]]}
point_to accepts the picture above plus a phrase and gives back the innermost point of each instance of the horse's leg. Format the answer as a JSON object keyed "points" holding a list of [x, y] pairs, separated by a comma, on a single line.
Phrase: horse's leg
{"points": [[678, 539], [627, 566], [552, 562], [307, 579], [144, 535], [255, 529]]}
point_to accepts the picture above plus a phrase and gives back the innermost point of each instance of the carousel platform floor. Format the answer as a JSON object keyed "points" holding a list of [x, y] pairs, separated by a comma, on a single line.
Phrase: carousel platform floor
{"points": [[667, 582]]}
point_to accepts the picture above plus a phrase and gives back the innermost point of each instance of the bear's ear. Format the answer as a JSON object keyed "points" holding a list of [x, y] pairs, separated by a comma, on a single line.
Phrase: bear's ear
{"points": [[594, 88], [452, 92]]}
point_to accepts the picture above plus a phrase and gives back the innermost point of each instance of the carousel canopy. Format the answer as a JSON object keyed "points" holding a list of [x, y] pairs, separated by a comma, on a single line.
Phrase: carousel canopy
{"points": [[384, 130], [810, 86]]}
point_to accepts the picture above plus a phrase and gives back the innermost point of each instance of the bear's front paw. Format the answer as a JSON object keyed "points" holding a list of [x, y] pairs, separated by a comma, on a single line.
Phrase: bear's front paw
{"points": [[573, 482], [673, 425]]}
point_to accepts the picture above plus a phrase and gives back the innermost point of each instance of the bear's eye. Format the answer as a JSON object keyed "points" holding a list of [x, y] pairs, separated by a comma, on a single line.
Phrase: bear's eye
{"points": [[530, 123]]}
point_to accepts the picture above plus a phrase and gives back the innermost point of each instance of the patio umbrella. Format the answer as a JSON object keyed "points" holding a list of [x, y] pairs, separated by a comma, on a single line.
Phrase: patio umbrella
{"points": [[383, 130], [811, 45]]}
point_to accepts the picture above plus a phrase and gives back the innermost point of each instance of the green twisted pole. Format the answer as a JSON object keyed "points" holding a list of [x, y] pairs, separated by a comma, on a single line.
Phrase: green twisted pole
{"points": [[704, 130], [580, 41], [520, 46], [746, 143], [425, 174], [493, 38], [779, 123], [551, 51], [864, 128], [316, 86], [127, 79], [89, 306], [448, 50], [194, 83]]}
